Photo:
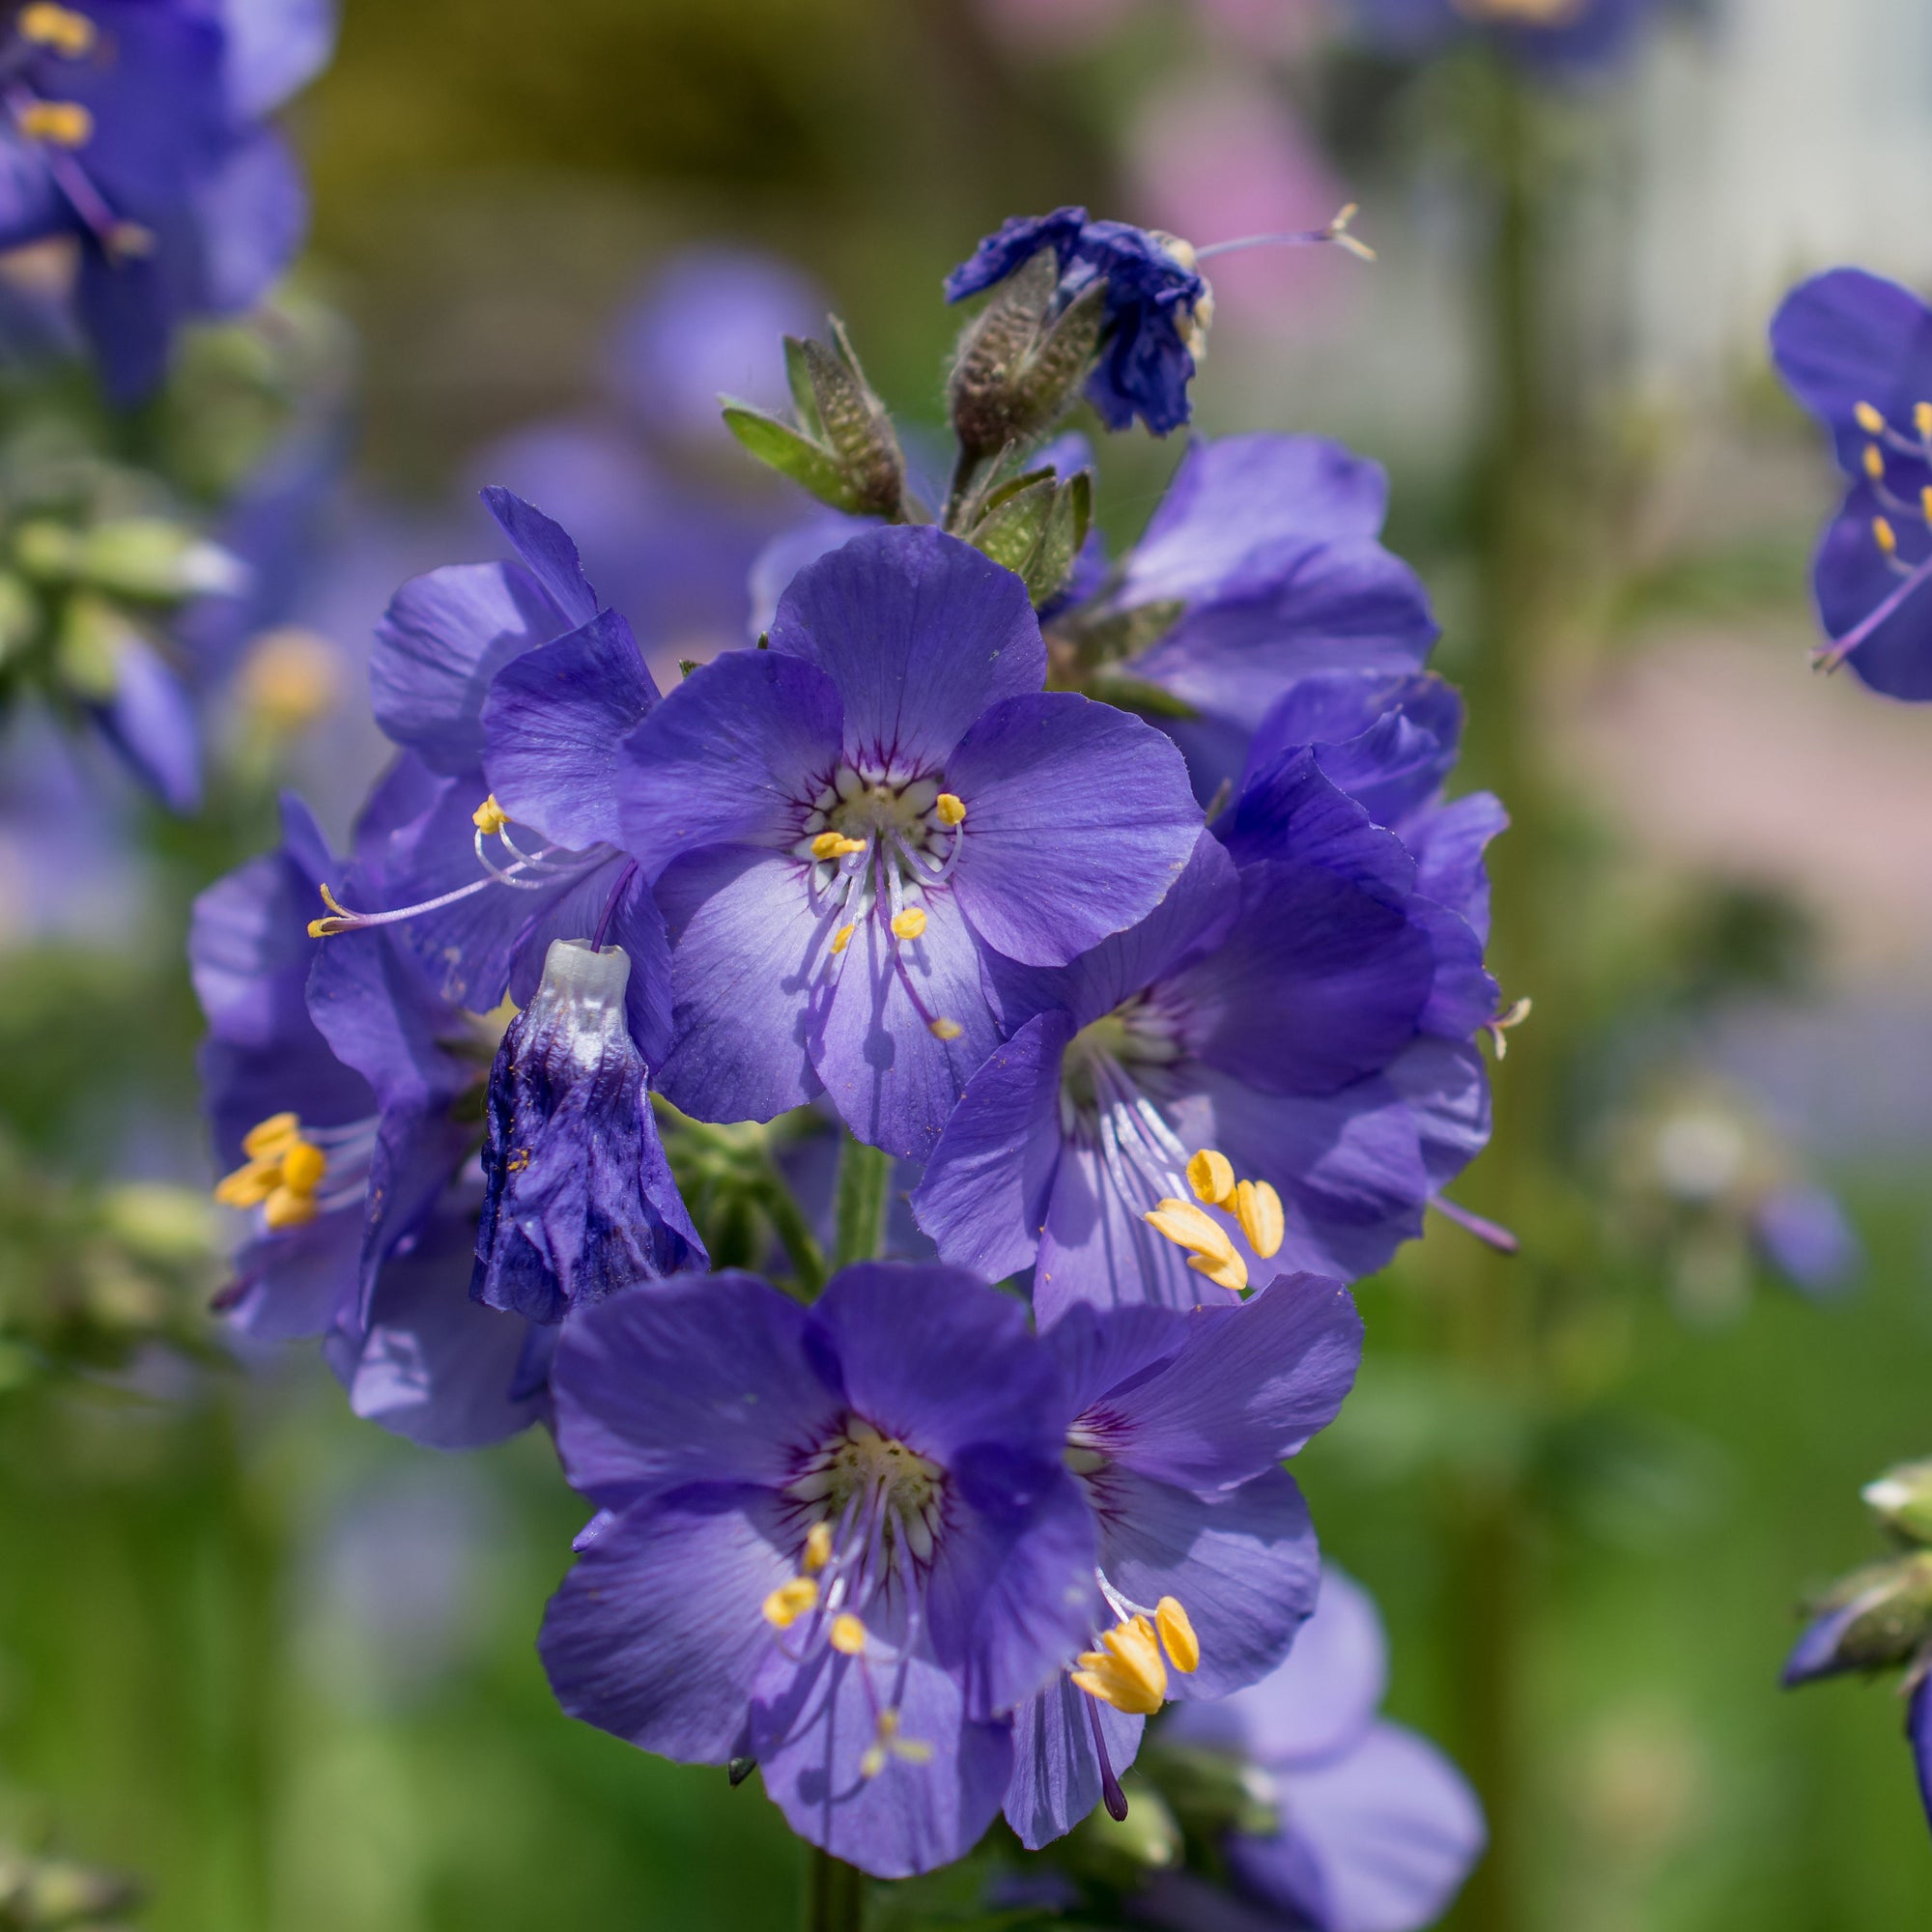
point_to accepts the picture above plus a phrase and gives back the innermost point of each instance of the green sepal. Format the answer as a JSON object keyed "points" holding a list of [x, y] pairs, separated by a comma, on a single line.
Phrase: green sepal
{"points": [[856, 427], [780, 447], [88, 648], [798, 380], [1114, 636]]}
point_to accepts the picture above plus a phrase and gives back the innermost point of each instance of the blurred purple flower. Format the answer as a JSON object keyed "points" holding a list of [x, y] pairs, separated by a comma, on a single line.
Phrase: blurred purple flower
{"points": [[1378, 1829], [1803, 1232], [1567, 37]]}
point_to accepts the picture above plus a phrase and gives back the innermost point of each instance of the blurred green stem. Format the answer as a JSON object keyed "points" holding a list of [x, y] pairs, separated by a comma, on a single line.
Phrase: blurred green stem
{"points": [[865, 1190], [835, 1894], [794, 1231], [1493, 1319]]}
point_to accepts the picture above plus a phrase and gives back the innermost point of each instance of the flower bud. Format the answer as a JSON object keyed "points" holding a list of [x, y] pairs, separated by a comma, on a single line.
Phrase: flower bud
{"points": [[1902, 1501], [1875, 1618], [578, 1200], [1022, 361]]}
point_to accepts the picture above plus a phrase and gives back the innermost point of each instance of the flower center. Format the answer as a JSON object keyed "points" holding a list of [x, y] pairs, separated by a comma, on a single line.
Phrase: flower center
{"points": [[288, 1164], [1105, 1054], [866, 1475]]}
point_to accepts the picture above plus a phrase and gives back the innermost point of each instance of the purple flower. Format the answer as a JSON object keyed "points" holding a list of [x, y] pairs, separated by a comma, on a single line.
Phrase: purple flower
{"points": [[1802, 1231], [1378, 1829], [837, 1539], [513, 688], [1261, 567], [1857, 351], [578, 1199], [853, 826], [1206, 1556], [335, 1078], [1276, 1063], [1568, 37], [1157, 306], [135, 127]]}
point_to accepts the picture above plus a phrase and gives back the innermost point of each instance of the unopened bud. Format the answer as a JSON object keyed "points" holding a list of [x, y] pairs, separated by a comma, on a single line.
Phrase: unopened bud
{"points": [[1902, 1501], [1875, 1618], [1023, 359]]}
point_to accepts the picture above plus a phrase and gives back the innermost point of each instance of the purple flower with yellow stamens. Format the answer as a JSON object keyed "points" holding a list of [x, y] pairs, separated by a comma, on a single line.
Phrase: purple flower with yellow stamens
{"points": [[1376, 1829], [1207, 1559], [512, 687], [837, 1539], [136, 128], [851, 830], [1296, 1015], [1856, 350], [335, 1080]]}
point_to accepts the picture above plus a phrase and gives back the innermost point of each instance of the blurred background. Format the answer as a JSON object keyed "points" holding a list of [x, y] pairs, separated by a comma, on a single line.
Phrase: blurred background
{"points": [[282, 1667]]}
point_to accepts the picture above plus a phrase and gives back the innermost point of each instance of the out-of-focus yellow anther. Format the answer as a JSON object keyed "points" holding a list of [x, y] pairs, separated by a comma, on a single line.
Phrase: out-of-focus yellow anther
{"points": [[289, 1208], [951, 808], [1868, 419], [945, 1029], [271, 1136], [1925, 502], [60, 123], [834, 845], [848, 1634], [1176, 1636], [843, 938], [886, 1742], [1921, 419], [909, 924], [1885, 536], [1874, 463], [1126, 1671], [817, 1547], [789, 1602], [280, 1174], [1212, 1252], [490, 818], [60, 28], [1257, 1208], [1211, 1176]]}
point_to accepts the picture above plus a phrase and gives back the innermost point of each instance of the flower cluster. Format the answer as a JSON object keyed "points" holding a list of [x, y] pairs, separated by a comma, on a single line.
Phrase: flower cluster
{"points": [[137, 133], [1121, 901]]}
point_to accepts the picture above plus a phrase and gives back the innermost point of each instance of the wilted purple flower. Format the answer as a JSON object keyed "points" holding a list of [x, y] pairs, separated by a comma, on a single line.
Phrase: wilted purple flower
{"points": [[578, 1200], [1574, 37], [1378, 1829], [838, 1540], [135, 127], [333, 1078], [1142, 1135], [851, 827], [1206, 1556], [1856, 350], [1157, 306]]}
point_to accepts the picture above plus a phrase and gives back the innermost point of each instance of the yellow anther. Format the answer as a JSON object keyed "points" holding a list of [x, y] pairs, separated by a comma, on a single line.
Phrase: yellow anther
{"points": [[304, 1167], [1257, 1208], [273, 1136], [1212, 1252], [951, 808], [909, 924], [344, 920], [1885, 536], [1925, 502], [834, 845], [60, 123], [872, 1761], [1126, 1671], [490, 818], [789, 1602], [1921, 419], [60, 28], [1176, 1636], [848, 1634], [1338, 232], [1874, 463], [945, 1029], [1868, 419], [843, 938], [250, 1185], [817, 1547], [1211, 1176], [886, 1742], [289, 1208]]}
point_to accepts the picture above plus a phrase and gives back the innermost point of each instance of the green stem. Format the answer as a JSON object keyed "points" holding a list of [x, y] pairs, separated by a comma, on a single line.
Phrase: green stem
{"points": [[835, 1894], [794, 1231], [865, 1190], [1493, 1323]]}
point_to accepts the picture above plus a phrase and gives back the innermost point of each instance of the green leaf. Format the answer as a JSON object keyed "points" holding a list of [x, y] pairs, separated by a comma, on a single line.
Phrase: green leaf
{"points": [[798, 378], [782, 448], [1052, 561], [1131, 694], [1010, 534]]}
